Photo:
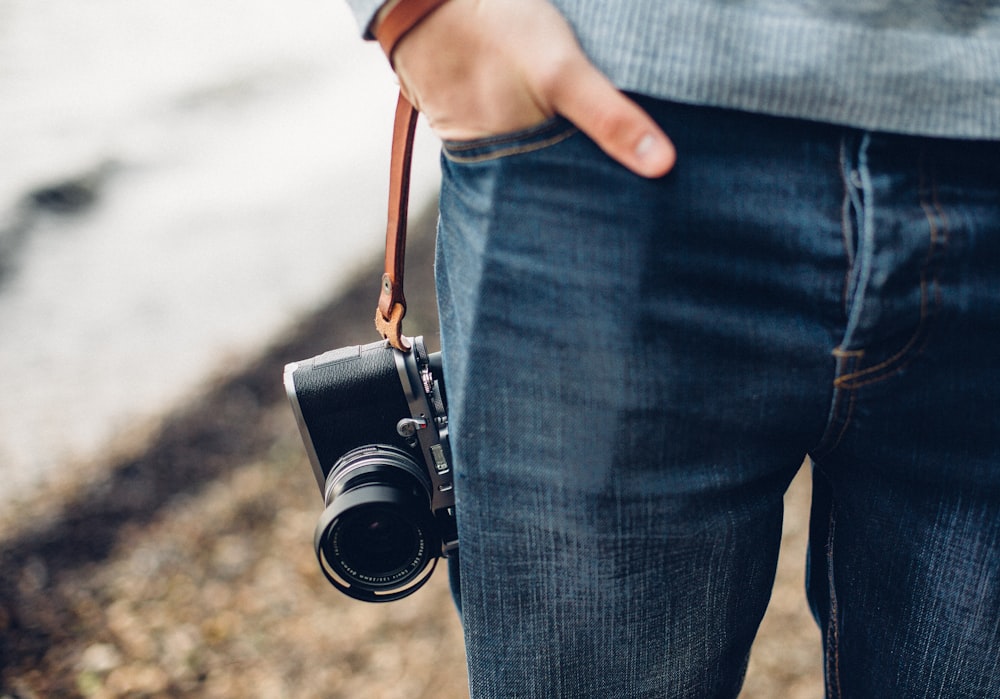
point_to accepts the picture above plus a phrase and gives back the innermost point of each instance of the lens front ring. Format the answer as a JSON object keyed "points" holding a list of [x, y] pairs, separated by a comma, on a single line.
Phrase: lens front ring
{"points": [[373, 542]]}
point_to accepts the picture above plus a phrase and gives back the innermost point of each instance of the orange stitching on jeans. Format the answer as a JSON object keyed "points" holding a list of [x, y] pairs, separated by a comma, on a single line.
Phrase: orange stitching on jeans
{"points": [[893, 365], [505, 152], [938, 224], [827, 442]]}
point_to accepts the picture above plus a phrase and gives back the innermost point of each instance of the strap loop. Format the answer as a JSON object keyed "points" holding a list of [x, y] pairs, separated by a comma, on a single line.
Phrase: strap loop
{"points": [[392, 302]]}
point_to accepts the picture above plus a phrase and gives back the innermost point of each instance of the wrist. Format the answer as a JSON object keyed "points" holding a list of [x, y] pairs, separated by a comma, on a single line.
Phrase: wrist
{"points": [[396, 18]]}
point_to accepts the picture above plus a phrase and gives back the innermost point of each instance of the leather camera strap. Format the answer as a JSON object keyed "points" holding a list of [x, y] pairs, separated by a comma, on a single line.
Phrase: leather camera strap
{"points": [[392, 302], [402, 16]]}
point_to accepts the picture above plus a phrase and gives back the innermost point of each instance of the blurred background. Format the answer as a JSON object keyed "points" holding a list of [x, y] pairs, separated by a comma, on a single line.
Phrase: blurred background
{"points": [[192, 195], [178, 183]]}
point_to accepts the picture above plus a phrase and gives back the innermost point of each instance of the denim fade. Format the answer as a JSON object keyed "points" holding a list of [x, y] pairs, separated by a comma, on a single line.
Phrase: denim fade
{"points": [[636, 370]]}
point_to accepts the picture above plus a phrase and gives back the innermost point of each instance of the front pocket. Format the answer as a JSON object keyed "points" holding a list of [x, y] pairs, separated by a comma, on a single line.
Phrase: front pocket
{"points": [[534, 138]]}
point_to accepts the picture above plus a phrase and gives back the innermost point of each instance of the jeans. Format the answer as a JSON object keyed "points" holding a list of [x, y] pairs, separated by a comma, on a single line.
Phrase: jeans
{"points": [[636, 370]]}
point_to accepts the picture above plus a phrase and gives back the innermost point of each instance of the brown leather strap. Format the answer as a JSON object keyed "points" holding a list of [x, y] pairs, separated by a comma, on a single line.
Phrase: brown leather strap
{"points": [[400, 19], [392, 302]]}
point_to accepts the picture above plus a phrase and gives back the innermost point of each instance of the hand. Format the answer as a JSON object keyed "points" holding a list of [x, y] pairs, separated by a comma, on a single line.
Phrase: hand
{"points": [[477, 68]]}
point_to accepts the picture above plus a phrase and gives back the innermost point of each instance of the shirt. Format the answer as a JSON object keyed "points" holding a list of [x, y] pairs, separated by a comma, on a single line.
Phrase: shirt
{"points": [[926, 67]]}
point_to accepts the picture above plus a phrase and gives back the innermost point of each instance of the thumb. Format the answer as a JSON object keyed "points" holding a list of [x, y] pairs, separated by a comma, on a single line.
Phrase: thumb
{"points": [[619, 126]]}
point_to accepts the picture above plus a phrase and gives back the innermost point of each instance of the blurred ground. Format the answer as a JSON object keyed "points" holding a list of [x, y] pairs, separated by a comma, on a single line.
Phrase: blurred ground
{"points": [[185, 568]]}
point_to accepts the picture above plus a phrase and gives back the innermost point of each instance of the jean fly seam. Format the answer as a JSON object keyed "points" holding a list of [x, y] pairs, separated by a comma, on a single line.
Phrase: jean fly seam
{"points": [[858, 180], [517, 149], [842, 401], [850, 206], [840, 417], [930, 296]]}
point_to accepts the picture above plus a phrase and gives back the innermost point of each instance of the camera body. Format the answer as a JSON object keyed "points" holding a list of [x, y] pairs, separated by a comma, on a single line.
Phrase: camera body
{"points": [[375, 425]]}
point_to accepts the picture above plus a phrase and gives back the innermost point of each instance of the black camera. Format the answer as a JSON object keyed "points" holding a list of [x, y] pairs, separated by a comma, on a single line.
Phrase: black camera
{"points": [[375, 426]]}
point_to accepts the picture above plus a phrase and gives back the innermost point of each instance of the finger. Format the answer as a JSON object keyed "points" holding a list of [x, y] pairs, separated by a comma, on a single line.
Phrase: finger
{"points": [[618, 125]]}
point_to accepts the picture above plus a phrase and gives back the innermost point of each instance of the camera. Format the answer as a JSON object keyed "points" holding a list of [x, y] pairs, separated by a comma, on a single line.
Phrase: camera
{"points": [[375, 426]]}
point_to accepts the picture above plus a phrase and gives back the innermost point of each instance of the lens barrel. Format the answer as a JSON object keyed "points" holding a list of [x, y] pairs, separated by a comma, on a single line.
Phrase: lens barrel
{"points": [[377, 535]]}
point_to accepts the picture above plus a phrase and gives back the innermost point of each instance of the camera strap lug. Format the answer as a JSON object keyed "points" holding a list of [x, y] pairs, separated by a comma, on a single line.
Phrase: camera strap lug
{"points": [[392, 302]]}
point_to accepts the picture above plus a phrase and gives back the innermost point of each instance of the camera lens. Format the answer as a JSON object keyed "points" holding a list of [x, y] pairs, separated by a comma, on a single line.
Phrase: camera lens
{"points": [[377, 539], [377, 534], [377, 545]]}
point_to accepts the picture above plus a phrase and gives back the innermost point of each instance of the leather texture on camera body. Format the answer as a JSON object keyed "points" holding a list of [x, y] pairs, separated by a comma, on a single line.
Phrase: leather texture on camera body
{"points": [[350, 397]]}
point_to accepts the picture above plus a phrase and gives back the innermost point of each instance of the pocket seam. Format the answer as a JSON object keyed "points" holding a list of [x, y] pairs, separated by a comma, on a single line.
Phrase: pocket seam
{"points": [[496, 150]]}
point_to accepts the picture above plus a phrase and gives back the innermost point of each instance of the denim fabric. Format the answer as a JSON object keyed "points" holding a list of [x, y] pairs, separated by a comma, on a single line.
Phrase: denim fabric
{"points": [[636, 370]]}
